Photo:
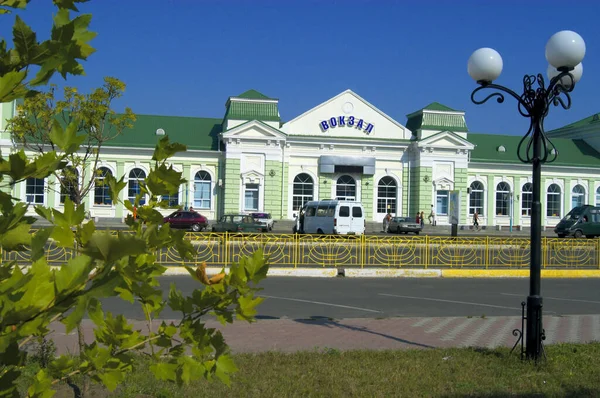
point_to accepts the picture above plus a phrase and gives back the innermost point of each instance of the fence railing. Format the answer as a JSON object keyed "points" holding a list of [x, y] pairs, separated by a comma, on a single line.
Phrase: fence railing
{"points": [[288, 250]]}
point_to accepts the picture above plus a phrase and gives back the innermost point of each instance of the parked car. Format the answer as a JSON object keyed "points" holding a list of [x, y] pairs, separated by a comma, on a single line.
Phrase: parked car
{"points": [[187, 220], [238, 223], [265, 219], [404, 225]]}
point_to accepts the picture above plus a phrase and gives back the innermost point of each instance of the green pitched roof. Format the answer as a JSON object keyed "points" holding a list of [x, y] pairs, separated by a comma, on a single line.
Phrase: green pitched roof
{"points": [[253, 94], [436, 106], [252, 111], [570, 152], [195, 132], [594, 119], [436, 118], [238, 109]]}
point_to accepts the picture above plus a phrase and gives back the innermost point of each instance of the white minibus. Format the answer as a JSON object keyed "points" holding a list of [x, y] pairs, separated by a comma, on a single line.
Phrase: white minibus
{"points": [[331, 217]]}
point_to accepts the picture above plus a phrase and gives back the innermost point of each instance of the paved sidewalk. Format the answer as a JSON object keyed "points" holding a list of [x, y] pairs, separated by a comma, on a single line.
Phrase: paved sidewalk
{"points": [[288, 335]]}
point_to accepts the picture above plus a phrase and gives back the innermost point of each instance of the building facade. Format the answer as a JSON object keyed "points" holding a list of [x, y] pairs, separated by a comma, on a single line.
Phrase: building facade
{"points": [[250, 160]]}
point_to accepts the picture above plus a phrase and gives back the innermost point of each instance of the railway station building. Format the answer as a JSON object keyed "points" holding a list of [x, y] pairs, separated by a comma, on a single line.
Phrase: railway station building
{"points": [[251, 160]]}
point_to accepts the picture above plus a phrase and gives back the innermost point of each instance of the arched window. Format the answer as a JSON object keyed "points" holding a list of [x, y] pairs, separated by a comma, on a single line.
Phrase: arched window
{"points": [[101, 188], [34, 191], [502, 199], [345, 188], [577, 196], [598, 196], [303, 191], [69, 184], [387, 191], [553, 201], [476, 198], [202, 185], [526, 199], [133, 187]]}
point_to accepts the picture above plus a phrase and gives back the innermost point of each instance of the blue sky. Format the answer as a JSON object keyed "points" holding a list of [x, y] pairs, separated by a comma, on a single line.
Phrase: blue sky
{"points": [[185, 57]]}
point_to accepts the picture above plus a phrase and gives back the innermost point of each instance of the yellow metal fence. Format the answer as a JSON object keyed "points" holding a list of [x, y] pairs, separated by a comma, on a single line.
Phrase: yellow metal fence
{"points": [[288, 250]]}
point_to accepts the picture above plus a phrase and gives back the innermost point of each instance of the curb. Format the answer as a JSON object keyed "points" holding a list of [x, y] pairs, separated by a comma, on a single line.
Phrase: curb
{"points": [[404, 273]]}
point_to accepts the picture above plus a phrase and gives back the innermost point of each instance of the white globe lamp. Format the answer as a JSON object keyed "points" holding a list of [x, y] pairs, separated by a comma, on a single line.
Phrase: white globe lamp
{"points": [[565, 49], [485, 65]]}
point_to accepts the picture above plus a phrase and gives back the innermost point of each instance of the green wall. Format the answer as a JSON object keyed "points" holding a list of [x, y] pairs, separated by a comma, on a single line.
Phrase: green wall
{"points": [[325, 187], [367, 190], [232, 186], [275, 187], [460, 184]]}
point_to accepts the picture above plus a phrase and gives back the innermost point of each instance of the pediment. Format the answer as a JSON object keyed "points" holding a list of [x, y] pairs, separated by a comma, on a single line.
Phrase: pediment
{"points": [[446, 139], [347, 115], [443, 184], [253, 129], [252, 177]]}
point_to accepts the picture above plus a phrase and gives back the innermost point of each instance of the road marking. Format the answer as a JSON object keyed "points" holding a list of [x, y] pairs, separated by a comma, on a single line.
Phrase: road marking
{"points": [[556, 298], [451, 301], [321, 303]]}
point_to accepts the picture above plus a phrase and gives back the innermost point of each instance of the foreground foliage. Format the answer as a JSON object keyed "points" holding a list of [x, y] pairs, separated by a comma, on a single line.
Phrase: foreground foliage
{"points": [[571, 371]]}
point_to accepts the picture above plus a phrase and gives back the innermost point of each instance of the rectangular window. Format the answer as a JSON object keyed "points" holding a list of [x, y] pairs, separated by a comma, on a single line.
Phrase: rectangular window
{"points": [[251, 197], [34, 191], [526, 201], [442, 202], [356, 212], [553, 205], [322, 210], [476, 202], [502, 200], [202, 195], [173, 200], [385, 205], [344, 211]]}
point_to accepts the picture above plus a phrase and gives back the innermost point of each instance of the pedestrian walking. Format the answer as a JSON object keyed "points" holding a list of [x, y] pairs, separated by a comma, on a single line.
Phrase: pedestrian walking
{"points": [[422, 219], [418, 218], [432, 216], [476, 221], [386, 221]]}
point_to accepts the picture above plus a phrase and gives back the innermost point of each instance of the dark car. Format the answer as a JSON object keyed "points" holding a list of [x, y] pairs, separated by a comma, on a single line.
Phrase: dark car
{"points": [[404, 225], [238, 223], [182, 219]]}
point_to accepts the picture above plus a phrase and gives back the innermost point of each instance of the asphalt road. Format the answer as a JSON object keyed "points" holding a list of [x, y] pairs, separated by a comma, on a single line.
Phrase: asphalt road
{"points": [[303, 298]]}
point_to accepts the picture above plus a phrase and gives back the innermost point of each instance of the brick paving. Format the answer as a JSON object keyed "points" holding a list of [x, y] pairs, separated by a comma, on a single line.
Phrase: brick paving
{"points": [[289, 335]]}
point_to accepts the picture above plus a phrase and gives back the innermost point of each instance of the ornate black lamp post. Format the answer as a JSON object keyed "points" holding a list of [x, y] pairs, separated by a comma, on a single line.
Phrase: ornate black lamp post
{"points": [[564, 51]]}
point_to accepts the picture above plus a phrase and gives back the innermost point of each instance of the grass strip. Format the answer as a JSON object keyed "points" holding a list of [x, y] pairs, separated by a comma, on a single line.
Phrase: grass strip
{"points": [[571, 370]]}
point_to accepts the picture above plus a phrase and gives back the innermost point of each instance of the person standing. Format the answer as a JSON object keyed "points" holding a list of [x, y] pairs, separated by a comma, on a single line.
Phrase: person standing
{"points": [[422, 219], [418, 218], [476, 221], [432, 216], [386, 222]]}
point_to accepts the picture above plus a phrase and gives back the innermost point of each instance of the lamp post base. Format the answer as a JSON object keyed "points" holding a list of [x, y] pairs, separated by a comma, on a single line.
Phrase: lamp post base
{"points": [[531, 336]]}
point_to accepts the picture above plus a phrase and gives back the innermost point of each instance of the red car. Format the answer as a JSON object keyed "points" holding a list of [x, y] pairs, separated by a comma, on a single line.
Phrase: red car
{"points": [[187, 220]]}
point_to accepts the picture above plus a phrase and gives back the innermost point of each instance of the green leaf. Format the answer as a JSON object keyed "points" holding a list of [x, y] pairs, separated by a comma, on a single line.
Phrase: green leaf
{"points": [[9, 383], [38, 243], [115, 186], [247, 307], [66, 139], [95, 312], [24, 40], [42, 386], [256, 266], [16, 238], [190, 369], [11, 86], [74, 318], [12, 356], [164, 371], [112, 379], [73, 275], [164, 180], [85, 231], [165, 149], [104, 246], [224, 367], [63, 236]]}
